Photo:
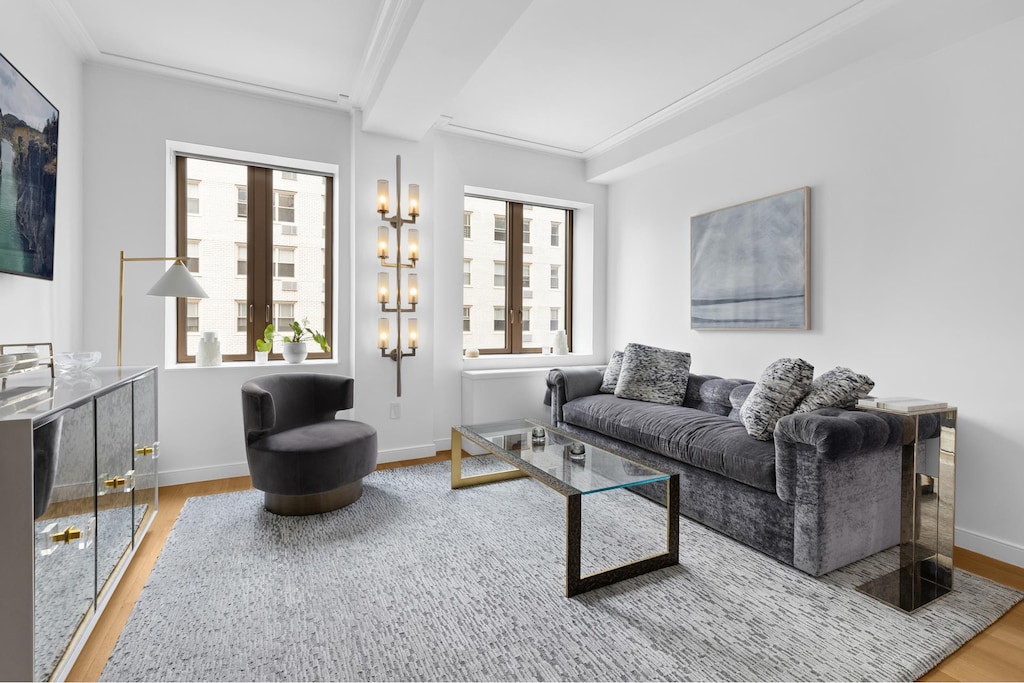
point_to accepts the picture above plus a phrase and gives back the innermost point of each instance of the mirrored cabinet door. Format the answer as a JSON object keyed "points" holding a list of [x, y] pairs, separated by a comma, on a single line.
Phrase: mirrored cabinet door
{"points": [[146, 451], [115, 481], [65, 533]]}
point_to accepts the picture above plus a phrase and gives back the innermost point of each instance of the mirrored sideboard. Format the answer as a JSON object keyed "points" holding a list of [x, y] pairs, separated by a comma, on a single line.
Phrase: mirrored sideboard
{"points": [[79, 467]]}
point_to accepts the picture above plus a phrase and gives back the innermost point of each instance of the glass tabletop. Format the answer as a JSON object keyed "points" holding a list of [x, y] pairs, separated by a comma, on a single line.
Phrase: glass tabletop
{"points": [[544, 451]]}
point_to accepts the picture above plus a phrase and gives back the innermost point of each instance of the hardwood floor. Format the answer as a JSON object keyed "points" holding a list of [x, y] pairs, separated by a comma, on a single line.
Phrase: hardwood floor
{"points": [[995, 654]]}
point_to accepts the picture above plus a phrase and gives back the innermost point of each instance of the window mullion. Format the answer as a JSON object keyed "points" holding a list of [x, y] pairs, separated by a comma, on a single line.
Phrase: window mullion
{"points": [[260, 235], [568, 276], [181, 249], [514, 279]]}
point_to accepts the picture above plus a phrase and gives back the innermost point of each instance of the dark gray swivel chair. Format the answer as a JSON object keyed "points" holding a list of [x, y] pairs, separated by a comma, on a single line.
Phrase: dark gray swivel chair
{"points": [[303, 459]]}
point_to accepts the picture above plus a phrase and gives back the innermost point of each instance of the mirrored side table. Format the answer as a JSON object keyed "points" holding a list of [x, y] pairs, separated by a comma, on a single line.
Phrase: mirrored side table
{"points": [[928, 478]]}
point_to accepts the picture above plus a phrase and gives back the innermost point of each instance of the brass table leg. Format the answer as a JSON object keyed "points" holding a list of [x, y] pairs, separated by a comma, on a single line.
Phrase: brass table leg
{"points": [[459, 481]]}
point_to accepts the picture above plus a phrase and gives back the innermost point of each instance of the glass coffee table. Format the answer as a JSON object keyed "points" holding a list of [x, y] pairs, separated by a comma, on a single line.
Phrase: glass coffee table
{"points": [[573, 468]]}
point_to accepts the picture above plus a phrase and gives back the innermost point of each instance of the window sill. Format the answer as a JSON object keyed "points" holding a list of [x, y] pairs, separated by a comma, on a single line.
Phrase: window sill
{"points": [[248, 364], [528, 361]]}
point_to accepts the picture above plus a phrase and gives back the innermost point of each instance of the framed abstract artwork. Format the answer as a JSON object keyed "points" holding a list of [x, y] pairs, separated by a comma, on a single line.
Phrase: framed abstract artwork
{"points": [[750, 264], [28, 176]]}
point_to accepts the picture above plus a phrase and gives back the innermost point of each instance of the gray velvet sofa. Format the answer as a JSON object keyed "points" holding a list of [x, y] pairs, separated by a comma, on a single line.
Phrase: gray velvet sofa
{"points": [[823, 493]]}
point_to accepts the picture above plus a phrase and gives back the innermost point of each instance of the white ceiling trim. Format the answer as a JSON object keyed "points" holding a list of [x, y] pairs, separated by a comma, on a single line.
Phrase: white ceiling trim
{"points": [[391, 26], [71, 26], [446, 125], [792, 48]]}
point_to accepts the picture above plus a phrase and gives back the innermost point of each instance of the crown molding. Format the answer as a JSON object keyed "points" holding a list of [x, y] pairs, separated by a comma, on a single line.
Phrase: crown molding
{"points": [[816, 35], [454, 128], [68, 23], [391, 26]]}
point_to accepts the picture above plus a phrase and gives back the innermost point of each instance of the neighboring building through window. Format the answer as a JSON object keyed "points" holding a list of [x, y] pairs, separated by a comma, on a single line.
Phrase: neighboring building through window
{"points": [[467, 273], [498, 311], [251, 277]]}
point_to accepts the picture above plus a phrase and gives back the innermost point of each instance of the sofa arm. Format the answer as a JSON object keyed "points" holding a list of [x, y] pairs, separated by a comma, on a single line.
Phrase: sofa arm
{"points": [[840, 469], [566, 384]]}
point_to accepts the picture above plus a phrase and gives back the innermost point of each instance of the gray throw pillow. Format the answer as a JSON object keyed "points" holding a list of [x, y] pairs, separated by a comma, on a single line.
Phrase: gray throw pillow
{"points": [[781, 387], [611, 373], [838, 388], [652, 374]]}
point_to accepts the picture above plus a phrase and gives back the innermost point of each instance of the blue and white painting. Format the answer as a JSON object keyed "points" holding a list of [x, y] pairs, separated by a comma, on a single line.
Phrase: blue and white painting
{"points": [[749, 264]]}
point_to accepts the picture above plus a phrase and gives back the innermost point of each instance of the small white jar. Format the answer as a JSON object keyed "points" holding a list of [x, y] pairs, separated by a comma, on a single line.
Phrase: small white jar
{"points": [[208, 353]]}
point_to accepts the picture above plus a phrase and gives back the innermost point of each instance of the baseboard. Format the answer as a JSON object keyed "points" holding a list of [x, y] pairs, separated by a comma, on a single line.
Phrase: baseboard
{"points": [[426, 450], [192, 475], [990, 547]]}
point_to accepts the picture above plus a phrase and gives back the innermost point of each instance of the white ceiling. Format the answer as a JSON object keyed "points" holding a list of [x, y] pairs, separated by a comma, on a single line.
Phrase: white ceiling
{"points": [[574, 77]]}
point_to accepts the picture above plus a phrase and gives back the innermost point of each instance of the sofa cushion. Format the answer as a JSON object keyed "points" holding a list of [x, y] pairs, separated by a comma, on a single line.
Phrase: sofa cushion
{"points": [[782, 385], [611, 373], [654, 375], [838, 388], [711, 442]]}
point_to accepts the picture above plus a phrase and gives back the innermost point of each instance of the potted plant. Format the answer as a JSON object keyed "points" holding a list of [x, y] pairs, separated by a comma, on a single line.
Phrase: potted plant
{"points": [[294, 350], [266, 345]]}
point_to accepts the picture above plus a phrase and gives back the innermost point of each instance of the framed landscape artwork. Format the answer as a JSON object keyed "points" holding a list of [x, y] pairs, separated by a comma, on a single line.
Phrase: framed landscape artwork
{"points": [[750, 264], [28, 176]]}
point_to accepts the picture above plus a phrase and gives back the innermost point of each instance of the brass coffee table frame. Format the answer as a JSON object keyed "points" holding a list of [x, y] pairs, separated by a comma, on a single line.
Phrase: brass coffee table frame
{"points": [[575, 583]]}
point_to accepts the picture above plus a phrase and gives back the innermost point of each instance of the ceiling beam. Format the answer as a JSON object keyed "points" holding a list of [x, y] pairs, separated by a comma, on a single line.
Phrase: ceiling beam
{"points": [[421, 57]]}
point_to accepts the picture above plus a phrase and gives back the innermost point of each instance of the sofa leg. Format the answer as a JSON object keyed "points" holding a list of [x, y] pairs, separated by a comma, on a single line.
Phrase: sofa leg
{"points": [[313, 503]]}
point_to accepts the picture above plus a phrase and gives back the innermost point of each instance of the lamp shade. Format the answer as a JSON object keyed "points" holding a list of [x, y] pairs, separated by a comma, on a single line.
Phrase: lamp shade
{"points": [[178, 281]]}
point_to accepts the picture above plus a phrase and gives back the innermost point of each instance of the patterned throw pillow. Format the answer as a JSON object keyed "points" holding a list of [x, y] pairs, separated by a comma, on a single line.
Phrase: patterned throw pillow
{"points": [[611, 373], [776, 394], [838, 388], [652, 374]]}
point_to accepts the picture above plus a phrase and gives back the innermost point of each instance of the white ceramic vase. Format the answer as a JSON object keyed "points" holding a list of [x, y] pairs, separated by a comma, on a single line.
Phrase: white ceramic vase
{"points": [[294, 352], [262, 357]]}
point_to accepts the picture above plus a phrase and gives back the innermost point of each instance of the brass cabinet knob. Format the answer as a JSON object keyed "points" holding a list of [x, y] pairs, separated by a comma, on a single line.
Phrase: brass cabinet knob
{"points": [[69, 534], [114, 482]]}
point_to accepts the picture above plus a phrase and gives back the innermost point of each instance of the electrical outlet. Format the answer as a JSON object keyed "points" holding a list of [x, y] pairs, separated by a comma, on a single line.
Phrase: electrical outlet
{"points": [[396, 411]]}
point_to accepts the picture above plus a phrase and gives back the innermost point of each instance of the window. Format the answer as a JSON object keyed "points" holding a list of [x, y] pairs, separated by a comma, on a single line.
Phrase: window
{"points": [[192, 262], [289, 229], [467, 276], [511, 293], [284, 207], [289, 175], [467, 224], [192, 200], [284, 316], [556, 229], [465, 318], [242, 317], [192, 315], [284, 262], [555, 326], [242, 264]]}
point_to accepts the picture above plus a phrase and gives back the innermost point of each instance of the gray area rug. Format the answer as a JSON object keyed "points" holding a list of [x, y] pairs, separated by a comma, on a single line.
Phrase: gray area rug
{"points": [[418, 582]]}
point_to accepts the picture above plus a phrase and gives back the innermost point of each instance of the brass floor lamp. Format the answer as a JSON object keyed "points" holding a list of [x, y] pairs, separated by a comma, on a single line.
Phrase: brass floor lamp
{"points": [[176, 282]]}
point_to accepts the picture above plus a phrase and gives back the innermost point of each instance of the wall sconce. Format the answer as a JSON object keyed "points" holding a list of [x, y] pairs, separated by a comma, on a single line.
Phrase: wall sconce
{"points": [[176, 282], [384, 289]]}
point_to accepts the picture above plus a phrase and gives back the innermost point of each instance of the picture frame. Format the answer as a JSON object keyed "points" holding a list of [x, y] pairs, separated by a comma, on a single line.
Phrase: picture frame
{"points": [[29, 125], [750, 264]]}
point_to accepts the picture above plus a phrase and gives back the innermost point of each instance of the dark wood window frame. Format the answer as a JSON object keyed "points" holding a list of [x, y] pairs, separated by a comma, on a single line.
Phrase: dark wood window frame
{"points": [[260, 251], [514, 257]]}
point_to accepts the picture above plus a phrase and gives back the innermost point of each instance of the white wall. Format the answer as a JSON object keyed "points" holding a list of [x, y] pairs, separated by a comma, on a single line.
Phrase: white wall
{"points": [[916, 242], [33, 309]]}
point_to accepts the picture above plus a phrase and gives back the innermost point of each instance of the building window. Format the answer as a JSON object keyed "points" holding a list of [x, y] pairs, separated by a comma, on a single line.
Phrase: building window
{"points": [[284, 262], [289, 229], [242, 317], [467, 275], [555, 320], [465, 318], [241, 262], [192, 199], [284, 315], [467, 227], [192, 262], [289, 175], [511, 292], [192, 315], [284, 207], [556, 230]]}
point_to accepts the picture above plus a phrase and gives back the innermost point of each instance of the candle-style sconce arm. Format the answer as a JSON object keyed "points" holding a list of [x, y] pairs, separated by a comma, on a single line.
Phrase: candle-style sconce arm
{"points": [[384, 308], [393, 354], [388, 264]]}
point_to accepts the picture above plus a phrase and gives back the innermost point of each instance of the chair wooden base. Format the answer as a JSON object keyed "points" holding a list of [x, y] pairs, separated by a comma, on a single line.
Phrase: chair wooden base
{"points": [[313, 503]]}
